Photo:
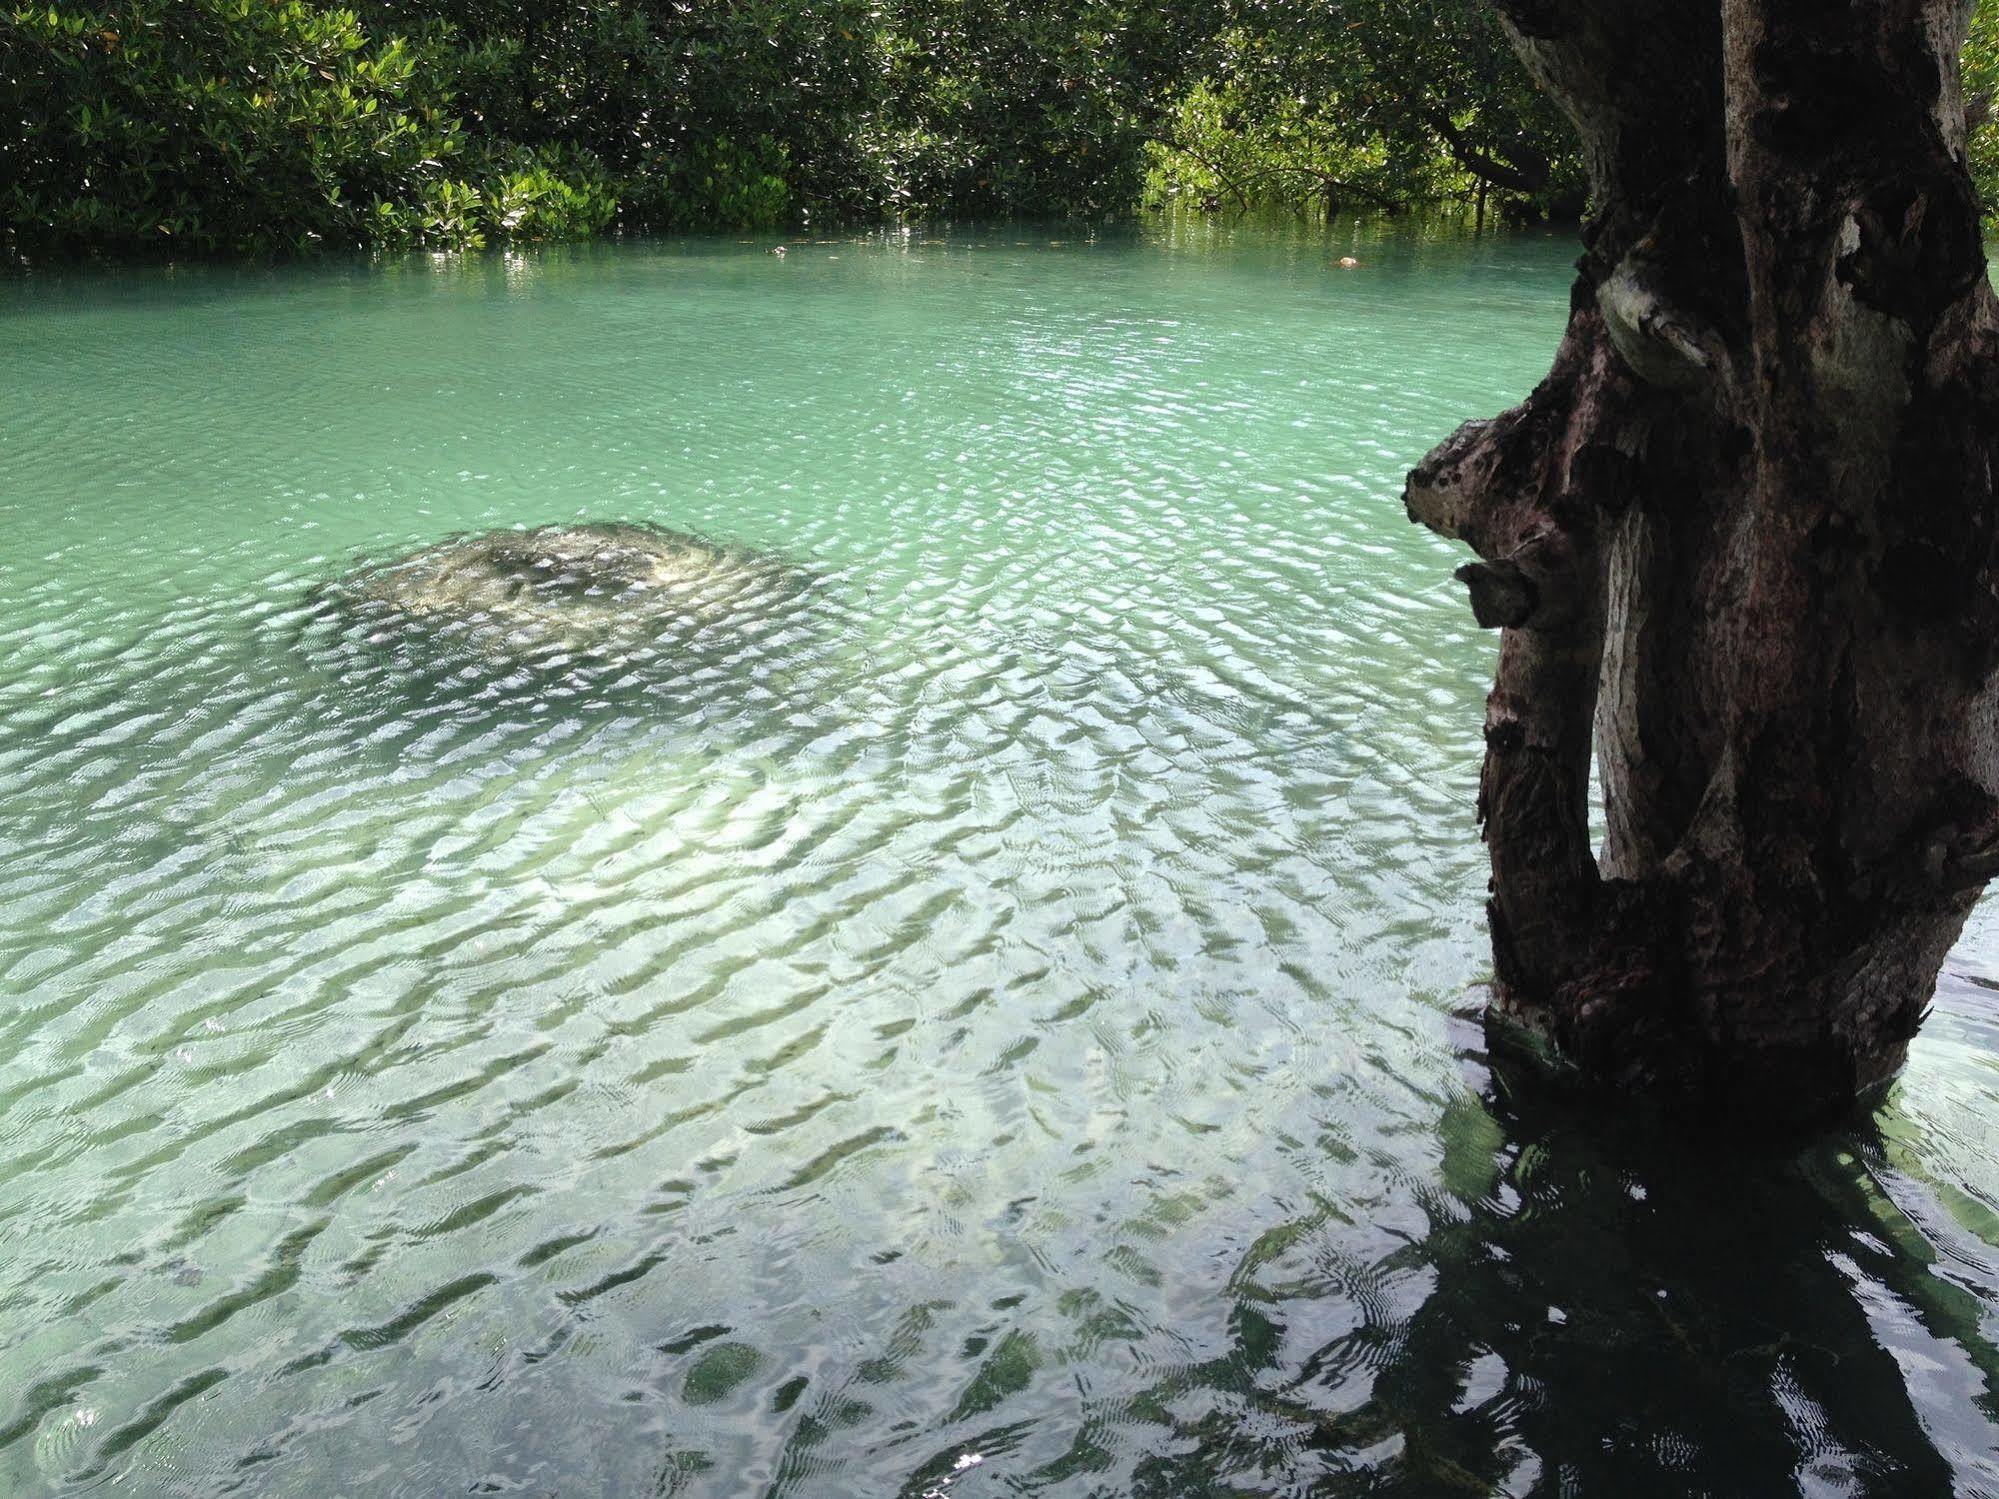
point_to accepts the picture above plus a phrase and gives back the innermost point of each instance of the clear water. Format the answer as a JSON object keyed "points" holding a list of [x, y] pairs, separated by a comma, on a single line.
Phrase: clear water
{"points": [[1003, 1003]]}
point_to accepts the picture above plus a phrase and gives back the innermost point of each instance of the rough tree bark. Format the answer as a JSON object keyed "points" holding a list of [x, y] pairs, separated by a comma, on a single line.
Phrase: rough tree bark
{"points": [[1742, 542]]}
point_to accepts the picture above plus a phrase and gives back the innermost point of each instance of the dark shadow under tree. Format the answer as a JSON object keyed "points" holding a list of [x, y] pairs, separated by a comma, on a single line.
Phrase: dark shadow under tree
{"points": [[1741, 542]]}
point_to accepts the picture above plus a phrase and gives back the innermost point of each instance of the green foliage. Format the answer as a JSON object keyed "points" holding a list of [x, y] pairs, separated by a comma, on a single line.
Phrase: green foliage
{"points": [[699, 115], [171, 127], [747, 114], [1028, 107], [213, 124], [1368, 103], [537, 199], [1981, 85], [150, 127], [273, 126], [1218, 150]]}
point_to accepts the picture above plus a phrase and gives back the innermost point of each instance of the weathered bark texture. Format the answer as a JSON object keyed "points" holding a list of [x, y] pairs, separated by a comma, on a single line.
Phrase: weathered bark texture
{"points": [[1742, 541]]}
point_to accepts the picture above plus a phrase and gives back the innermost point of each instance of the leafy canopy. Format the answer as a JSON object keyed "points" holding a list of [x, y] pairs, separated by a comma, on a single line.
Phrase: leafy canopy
{"points": [[173, 127]]}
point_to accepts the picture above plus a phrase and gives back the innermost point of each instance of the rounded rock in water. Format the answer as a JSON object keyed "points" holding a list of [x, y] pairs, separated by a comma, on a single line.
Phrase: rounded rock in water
{"points": [[592, 590]]}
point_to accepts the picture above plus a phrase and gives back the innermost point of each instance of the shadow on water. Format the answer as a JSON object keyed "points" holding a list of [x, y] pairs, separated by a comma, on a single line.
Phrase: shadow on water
{"points": [[1611, 1311]]}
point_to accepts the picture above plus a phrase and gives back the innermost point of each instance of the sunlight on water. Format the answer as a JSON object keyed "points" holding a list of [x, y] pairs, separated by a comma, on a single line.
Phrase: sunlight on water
{"points": [[978, 1019]]}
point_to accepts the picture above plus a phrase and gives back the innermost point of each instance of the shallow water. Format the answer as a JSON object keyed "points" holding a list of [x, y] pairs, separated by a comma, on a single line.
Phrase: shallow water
{"points": [[1000, 1001]]}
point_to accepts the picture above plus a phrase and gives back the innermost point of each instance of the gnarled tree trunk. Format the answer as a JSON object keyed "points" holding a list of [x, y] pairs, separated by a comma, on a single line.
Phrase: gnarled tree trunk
{"points": [[1742, 541]]}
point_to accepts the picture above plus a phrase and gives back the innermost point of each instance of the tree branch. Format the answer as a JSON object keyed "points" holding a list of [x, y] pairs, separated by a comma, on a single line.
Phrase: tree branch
{"points": [[1512, 176]]}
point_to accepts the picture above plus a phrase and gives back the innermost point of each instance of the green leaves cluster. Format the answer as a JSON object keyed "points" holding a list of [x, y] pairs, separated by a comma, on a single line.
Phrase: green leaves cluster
{"points": [[696, 113], [165, 127], [249, 127], [246, 126], [174, 127], [1981, 87], [1027, 107], [1367, 104]]}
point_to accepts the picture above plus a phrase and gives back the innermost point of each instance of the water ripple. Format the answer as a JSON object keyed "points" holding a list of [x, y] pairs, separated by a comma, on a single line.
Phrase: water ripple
{"points": [[993, 998]]}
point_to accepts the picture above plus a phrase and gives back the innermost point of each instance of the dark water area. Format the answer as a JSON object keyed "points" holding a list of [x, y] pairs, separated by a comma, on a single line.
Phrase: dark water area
{"points": [[989, 1016]]}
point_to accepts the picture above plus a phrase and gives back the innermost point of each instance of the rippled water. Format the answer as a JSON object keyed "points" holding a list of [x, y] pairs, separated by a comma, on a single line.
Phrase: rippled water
{"points": [[997, 998]]}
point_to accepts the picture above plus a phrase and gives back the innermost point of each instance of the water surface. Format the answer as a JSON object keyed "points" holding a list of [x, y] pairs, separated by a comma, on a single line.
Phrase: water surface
{"points": [[1001, 1002]]}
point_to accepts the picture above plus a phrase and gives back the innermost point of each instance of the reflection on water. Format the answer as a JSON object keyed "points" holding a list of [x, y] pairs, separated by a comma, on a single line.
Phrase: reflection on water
{"points": [[998, 1000], [1590, 1308]]}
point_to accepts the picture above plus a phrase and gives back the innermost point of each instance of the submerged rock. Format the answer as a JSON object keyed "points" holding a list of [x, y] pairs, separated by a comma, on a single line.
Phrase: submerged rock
{"points": [[595, 590]]}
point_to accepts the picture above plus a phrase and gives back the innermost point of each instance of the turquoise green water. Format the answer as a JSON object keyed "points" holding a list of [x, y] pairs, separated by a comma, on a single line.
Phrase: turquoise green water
{"points": [[999, 1001]]}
